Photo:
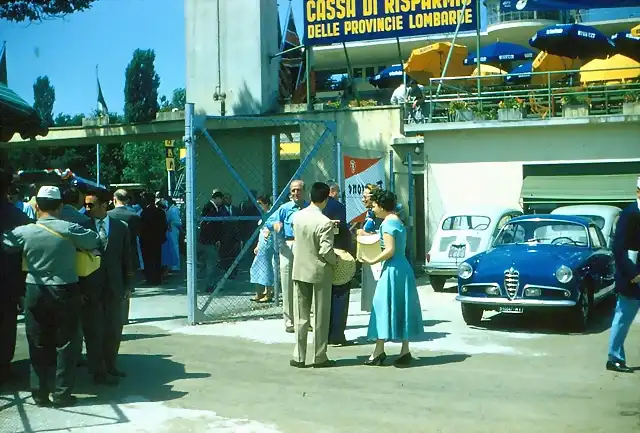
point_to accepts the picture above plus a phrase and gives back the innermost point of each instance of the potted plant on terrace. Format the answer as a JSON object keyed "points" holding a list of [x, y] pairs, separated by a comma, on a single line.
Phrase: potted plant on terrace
{"points": [[511, 109], [460, 111], [576, 105], [631, 103]]}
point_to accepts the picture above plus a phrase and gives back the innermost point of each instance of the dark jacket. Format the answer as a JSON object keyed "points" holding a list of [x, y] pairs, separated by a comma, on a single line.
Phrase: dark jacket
{"points": [[338, 211], [153, 226], [212, 232], [115, 273], [625, 239], [11, 275]]}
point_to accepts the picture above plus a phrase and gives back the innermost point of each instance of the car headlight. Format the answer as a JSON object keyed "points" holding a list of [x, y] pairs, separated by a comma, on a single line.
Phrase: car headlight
{"points": [[465, 271], [564, 274]]}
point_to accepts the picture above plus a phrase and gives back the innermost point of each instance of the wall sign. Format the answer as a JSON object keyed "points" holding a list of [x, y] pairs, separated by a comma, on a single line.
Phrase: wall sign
{"points": [[358, 172], [336, 21]]}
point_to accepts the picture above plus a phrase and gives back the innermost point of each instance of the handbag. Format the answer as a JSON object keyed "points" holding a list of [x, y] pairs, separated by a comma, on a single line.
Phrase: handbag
{"points": [[86, 262]]}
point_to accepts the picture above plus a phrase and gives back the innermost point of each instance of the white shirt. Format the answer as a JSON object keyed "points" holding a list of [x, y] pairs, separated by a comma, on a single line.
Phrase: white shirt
{"points": [[399, 95], [106, 224]]}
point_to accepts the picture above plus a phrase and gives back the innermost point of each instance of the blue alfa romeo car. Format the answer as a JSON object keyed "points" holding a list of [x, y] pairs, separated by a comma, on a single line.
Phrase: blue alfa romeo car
{"points": [[550, 262]]}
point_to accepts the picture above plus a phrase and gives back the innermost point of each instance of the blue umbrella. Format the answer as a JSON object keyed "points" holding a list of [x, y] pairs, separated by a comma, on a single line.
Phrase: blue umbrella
{"points": [[500, 52], [627, 45], [575, 41], [520, 74], [388, 77]]}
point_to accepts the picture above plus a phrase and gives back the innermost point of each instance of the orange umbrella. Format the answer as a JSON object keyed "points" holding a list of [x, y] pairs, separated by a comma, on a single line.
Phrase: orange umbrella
{"points": [[546, 62], [428, 62], [589, 73]]}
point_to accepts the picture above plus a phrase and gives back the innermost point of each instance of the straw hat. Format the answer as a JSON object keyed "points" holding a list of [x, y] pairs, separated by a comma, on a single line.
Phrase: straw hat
{"points": [[345, 267]]}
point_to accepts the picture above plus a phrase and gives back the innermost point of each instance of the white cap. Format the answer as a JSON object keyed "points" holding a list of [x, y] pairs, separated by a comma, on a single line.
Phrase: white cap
{"points": [[52, 192]]}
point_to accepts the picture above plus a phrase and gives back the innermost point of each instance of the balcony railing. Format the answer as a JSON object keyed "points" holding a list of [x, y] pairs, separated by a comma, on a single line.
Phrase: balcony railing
{"points": [[495, 17], [458, 99]]}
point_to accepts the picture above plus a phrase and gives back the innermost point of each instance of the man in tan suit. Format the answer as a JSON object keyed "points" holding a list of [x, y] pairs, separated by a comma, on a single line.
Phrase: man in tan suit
{"points": [[312, 277]]}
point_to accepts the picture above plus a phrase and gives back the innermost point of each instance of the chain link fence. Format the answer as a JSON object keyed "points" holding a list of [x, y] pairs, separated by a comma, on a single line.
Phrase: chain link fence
{"points": [[238, 173]]}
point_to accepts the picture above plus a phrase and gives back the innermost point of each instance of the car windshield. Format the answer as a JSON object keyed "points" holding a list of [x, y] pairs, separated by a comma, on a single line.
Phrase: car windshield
{"points": [[596, 219], [466, 222], [547, 232]]}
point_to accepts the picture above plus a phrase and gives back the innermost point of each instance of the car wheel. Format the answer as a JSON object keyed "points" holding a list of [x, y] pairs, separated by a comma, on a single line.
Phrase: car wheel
{"points": [[437, 282], [582, 312], [472, 314]]}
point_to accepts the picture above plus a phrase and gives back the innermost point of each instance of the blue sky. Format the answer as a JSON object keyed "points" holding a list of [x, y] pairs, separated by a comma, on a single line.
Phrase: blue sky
{"points": [[67, 50]]}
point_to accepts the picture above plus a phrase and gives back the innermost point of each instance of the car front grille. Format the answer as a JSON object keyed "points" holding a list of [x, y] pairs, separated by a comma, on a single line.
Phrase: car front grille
{"points": [[511, 282]]}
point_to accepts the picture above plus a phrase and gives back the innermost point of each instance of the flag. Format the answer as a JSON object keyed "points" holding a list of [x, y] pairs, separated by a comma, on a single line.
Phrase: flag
{"points": [[3, 65], [102, 105], [285, 77], [292, 59], [299, 95]]}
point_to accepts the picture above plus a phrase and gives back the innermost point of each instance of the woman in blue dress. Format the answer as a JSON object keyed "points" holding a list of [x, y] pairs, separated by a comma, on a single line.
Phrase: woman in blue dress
{"points": [[261, 272], [396, 314]]}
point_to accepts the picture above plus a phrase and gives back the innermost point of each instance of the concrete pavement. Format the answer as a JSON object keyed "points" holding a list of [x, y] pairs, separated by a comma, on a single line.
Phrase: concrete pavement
{"points": [[513, 375]]}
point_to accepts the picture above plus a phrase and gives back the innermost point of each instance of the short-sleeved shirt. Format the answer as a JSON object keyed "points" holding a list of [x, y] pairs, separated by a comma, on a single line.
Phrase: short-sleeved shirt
{"points": [[284, 215]]}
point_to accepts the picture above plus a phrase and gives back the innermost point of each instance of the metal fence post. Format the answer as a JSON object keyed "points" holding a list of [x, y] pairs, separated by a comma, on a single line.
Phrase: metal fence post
{"points": [[392, 177], [191, 237], [410, 210], [275, 154]]}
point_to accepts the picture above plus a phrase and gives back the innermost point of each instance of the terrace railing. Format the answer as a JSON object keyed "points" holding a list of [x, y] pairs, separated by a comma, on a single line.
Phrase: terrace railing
{"points": [[459, 94]]}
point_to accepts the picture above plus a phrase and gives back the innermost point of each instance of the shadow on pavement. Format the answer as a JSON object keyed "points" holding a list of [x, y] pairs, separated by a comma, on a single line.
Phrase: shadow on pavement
{"points": [[144, 320], [555, 322], [425, 323], [140, 336], [416, 362]]}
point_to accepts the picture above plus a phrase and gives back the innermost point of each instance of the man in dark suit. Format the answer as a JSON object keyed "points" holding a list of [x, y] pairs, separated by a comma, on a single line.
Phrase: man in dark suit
{"points": [[626, 244], [211, 236], [152, 234], [110, 288], [337, 211], [230, 246], [12, 282], [122, 212]]}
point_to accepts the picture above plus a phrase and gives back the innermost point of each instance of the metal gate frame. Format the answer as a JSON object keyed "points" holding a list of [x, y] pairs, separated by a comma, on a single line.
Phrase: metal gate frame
{"points": [[197, 124]]}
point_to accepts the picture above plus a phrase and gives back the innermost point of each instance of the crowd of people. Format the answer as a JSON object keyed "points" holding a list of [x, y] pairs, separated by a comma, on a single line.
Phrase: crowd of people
{"points": [[66, 302]]}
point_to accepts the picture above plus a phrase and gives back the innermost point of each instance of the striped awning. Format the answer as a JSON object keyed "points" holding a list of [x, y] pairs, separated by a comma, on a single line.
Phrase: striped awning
{"points": [[17, 116]]}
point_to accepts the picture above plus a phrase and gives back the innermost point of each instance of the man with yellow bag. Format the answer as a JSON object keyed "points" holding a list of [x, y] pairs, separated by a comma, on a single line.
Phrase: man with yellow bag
{"points": [[52, 300]]}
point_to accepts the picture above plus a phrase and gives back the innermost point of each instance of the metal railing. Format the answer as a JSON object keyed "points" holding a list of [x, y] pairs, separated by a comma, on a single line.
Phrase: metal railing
{"points": [[495, 17], [537, 101]]}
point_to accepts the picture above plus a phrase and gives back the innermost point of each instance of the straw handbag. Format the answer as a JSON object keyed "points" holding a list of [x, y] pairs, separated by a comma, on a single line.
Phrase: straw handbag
{"points": [[86, 263], [345, 267]]}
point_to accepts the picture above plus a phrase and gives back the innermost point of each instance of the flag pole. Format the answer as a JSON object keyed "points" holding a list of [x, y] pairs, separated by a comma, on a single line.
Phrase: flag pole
{"points": [[97, 144]]}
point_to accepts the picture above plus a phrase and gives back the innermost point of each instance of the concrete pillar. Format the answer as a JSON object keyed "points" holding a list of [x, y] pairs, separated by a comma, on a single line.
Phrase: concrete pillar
{"points": [[228, 49]]}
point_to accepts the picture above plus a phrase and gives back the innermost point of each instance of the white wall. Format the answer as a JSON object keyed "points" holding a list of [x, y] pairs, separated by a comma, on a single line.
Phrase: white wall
{"points": [[239, 61], [477, 166]]}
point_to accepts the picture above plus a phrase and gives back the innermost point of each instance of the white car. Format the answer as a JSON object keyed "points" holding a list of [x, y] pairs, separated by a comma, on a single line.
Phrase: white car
{"points": [[462, 234], [605, 217]]}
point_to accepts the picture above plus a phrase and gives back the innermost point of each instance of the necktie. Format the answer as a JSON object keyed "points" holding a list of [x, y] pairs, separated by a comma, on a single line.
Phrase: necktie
{"points": [[102, 232]]}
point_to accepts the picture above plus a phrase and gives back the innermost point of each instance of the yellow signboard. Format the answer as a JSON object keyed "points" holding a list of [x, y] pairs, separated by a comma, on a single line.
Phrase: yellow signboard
{"points": [[168, 143], [171, 164], [337, 21], [170, 152]]}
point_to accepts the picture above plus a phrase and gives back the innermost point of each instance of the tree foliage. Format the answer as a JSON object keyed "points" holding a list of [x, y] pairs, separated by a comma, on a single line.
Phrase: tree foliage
{"points": [[37, 10], [177, 102], [44, 96], [141, 88], [145, 163]]}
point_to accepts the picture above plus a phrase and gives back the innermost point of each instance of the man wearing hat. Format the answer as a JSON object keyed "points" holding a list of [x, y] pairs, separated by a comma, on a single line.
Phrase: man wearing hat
{"points": [[626, 244], [312, 275], [52, 300]]}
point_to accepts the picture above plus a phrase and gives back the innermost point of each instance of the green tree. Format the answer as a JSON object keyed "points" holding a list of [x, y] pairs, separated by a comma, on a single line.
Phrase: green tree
{"points": [[37, 10], [44, 96], [141, 88], [144, 161], [177, 102]]}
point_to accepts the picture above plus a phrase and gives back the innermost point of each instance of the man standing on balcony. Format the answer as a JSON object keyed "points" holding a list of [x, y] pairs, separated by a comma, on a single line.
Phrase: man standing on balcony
{"points": [[626, 244]]}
